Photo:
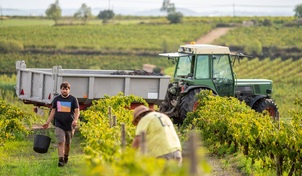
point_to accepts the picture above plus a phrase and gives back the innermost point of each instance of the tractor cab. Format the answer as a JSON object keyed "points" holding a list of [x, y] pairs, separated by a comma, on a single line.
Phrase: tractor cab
{"points": [[206, 66]]}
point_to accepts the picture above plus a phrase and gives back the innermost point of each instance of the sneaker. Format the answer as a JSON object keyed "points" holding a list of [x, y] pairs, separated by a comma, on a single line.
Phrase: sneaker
{"points": [[60, 163]]}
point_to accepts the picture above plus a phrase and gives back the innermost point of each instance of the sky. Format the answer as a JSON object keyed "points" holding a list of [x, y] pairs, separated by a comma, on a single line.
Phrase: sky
{"points": [[143, 5], [146, 4]]}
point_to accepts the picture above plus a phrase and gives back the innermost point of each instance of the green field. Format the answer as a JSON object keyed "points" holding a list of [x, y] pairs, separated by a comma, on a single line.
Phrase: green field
{"points": [[128, 43], [114, 37], [280, 37]]}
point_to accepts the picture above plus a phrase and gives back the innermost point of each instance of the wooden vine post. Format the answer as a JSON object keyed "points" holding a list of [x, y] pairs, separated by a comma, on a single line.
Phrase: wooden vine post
{"points": [[193, 154], [143, 143], [123, 129], [114, 120], [109, 116]]}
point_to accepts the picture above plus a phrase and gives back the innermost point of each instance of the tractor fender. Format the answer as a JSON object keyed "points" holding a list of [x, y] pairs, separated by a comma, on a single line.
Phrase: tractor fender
{"points": [[196, 87], [255, 99]]}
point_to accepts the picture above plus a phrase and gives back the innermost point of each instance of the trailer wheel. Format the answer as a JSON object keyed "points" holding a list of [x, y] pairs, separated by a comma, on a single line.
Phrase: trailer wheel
{"points": [[267, 106], [188, 103]]}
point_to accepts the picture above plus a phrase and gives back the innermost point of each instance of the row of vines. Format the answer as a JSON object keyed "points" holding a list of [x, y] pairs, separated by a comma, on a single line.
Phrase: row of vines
{"points": [[144, 36], [270, 37], [275, 145], [227, 122], [14, 122], [135, 37], [103, 142]]}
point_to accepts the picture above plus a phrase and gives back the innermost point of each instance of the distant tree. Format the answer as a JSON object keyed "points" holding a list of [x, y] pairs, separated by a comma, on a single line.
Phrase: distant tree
{"points": [[298, 11], [106, 15], [84, 13], [168, 7], [54, 11], [175, 17], [267, 22]]}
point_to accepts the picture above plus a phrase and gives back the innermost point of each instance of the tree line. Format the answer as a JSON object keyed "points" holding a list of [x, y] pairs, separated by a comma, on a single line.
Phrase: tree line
{"points": [[54, 12]]}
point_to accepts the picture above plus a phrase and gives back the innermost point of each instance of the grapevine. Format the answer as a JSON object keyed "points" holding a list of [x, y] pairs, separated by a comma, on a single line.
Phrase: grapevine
{"points": [[225, 121]]}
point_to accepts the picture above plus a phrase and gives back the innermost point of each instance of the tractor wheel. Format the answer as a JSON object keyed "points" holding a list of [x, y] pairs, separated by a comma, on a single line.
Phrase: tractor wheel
{"points": [[166, 105], [188, 103], [267, 106], [167, 108]]}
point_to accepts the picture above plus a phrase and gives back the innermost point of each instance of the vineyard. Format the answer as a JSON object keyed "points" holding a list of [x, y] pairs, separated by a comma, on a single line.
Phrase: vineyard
{"points": [[222, 122], [225, 125], [272, 144], [288, 37], [135, 37], [286, 76]]}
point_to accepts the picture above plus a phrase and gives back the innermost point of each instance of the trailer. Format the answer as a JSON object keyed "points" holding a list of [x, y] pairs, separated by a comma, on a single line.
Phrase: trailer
{"points": [[38, 86]]}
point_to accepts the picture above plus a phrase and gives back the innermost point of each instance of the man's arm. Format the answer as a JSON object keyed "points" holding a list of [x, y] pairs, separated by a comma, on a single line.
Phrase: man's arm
{"points": [[76, 117], [136, 142], [50, 118]]}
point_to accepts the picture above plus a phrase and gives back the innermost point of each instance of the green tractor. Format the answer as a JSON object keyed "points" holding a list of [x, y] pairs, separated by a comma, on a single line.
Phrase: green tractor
{"points": [[209, 67]]}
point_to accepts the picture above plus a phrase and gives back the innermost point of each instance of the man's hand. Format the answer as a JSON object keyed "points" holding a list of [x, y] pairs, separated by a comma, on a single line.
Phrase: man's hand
{"points": [[45, 125], [136, 142], [74, 123]]}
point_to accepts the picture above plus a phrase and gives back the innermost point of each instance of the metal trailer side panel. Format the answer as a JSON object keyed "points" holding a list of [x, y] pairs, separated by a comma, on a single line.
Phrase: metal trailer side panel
{"points": [[163, 88], [35, 85], [48, 84], [109, 86], [25, 84], [145, 88], [87, 89]]}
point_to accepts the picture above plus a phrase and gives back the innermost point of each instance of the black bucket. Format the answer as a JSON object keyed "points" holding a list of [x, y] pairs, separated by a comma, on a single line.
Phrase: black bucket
{"points": [[41, 143]]}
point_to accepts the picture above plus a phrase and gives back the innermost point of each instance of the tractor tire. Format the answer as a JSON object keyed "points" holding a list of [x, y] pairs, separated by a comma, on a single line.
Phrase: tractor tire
{"points": [[188, 103], [267, 106], [165, 105]]}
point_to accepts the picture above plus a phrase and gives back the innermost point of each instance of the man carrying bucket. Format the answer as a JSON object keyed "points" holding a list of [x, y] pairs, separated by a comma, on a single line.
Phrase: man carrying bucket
{"points": [[65, 113]]}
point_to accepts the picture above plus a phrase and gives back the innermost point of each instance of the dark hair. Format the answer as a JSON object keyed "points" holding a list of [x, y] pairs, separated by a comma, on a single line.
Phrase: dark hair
{"points": [[65, 85]]}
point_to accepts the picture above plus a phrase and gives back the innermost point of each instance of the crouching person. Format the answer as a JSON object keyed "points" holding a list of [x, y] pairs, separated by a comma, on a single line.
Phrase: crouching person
{"points": [[162, 139]]}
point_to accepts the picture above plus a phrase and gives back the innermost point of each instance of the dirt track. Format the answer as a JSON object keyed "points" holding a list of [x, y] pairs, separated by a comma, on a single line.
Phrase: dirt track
{"points": [[212, 35], [216, 163]]}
